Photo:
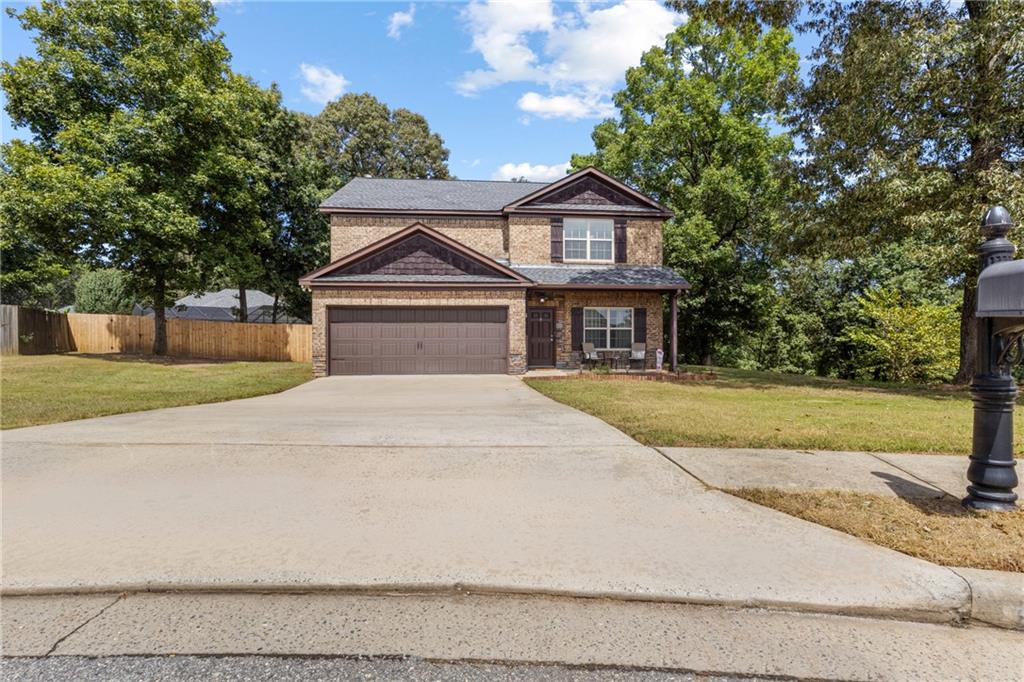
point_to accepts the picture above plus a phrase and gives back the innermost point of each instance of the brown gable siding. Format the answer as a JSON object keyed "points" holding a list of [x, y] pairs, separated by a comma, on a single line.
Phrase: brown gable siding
{"points": [[586, 191], [418, 255]]}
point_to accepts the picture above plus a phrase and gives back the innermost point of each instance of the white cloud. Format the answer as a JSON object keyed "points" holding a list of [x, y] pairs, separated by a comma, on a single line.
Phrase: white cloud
{"points": [[321, 84], [584, 52], [500, 32], [571, 107], [536, 173], [400, 20]]}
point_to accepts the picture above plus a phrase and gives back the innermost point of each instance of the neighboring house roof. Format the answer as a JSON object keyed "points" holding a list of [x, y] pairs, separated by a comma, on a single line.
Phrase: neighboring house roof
{"points": [[221, 306], [585, 191], [226, 298], [381, 194], [603, 276]]}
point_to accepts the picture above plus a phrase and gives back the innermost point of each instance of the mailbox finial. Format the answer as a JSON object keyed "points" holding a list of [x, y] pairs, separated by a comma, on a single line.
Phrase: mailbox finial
{"points": [[995, 225], [996, 222]]}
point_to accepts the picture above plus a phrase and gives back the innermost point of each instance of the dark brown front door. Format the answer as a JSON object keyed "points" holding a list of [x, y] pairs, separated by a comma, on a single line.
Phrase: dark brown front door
{"points": [[540, 337]]}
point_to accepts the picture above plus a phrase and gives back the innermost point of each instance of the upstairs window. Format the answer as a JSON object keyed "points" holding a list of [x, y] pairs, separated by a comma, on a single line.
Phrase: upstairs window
{"points": [[588, 239]]}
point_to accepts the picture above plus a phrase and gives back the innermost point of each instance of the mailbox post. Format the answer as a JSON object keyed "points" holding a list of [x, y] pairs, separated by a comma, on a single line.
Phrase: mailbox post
{"points": [[1000, 346]]}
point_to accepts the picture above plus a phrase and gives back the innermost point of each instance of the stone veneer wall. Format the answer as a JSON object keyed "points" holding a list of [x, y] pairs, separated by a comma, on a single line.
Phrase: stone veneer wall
{"points": [[564, 301], [350, 233], [513, 299]]}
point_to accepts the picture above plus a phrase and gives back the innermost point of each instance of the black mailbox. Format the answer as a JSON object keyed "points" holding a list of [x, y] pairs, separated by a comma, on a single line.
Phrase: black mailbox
{"points": [[1000, 312]]}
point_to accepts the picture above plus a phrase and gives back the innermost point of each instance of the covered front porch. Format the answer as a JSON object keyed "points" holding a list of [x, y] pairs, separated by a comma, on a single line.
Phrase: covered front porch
{"points": [[613, 324]]}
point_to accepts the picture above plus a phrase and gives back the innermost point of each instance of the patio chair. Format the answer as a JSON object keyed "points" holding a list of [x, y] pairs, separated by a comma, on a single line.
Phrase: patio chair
{"points": [[590, 356], [638, 354]]}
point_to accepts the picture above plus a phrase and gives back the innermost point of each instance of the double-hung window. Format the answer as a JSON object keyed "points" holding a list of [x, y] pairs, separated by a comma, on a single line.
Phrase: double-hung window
{"points": [[608, 328], [588, 239]]}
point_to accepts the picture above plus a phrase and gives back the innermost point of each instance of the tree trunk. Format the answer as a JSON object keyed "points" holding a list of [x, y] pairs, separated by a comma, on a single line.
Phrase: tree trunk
{"points": [[968, 337], [273, 314], [160, 316], [987, 98], [243, 307]]}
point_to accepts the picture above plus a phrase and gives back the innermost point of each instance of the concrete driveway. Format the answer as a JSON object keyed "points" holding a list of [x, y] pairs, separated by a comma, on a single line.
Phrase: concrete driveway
{"points": [[434, 482]]}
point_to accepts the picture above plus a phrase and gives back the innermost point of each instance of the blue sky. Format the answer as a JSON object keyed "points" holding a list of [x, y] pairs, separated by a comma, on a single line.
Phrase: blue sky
{"points": [[514, 88]]}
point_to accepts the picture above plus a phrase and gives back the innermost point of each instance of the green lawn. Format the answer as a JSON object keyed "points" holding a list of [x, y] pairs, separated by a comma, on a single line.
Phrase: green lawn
{"points": [[42, 389], [765, 410]]}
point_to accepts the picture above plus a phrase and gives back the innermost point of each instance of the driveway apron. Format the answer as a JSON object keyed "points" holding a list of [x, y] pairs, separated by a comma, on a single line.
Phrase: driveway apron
{"points": [[409, 483]]}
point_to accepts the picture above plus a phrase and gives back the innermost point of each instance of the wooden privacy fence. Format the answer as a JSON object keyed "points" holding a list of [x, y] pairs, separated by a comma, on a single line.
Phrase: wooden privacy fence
{"points": [[37, 332]]}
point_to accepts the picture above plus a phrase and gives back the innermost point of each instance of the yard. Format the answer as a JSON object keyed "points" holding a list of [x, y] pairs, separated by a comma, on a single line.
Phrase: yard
{"points": [[43, 389], [940, 531], [744, 409]]}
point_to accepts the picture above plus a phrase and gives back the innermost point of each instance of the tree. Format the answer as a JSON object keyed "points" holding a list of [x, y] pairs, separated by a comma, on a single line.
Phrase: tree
{"points": [[30, 275], [134, 115], [693, 133], [914, 123], [904, 342], [358, 135], [104, 291]]}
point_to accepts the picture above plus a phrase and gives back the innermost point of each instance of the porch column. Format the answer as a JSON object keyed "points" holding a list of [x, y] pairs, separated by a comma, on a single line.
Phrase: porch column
{"points": [[673, 339]]}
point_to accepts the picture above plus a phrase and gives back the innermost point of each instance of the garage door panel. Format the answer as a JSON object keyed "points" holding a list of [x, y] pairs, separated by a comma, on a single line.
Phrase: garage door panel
{"points": [[418, 340]]}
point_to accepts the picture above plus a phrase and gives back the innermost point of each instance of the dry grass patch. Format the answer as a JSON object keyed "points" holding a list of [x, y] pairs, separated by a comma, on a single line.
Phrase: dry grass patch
{"points": [[937, 530]]}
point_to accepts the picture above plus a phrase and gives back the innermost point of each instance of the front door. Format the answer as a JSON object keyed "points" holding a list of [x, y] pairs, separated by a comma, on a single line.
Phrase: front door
{"points": [[540, 337]]}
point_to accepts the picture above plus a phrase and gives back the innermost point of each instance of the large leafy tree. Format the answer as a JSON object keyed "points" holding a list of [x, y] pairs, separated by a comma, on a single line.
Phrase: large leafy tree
{"points": [[912, 121], [135, 119], [693, 132], [357, 135]]}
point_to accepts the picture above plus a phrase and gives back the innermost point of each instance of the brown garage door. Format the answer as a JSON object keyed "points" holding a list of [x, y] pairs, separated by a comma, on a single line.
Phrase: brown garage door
{"points": [[418, 340]]}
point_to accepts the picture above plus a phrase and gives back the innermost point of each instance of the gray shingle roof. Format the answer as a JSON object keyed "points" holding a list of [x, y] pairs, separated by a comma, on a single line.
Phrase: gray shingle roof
{"points": [[429, 195], [226, 298], [603, 275]]}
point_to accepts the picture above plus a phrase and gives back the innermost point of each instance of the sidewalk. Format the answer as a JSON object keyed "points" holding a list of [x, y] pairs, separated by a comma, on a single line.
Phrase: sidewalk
{"points": [[880, 473]]}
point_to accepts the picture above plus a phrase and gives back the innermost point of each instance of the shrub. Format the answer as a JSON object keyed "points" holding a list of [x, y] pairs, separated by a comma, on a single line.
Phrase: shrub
{"points": [[103, 291], [905, 342]]}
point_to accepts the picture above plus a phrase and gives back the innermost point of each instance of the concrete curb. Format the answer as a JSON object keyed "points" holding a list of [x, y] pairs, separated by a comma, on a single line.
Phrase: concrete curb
{"points": [[955, 615], [997, 597]]}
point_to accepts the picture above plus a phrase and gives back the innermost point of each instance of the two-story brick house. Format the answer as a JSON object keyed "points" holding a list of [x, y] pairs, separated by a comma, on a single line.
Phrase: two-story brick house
{"points": [[465, 276]]}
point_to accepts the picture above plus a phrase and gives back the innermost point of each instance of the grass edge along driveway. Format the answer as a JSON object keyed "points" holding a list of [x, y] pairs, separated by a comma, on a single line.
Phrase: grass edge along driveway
{"points": [[45, 389], [743, 409]]}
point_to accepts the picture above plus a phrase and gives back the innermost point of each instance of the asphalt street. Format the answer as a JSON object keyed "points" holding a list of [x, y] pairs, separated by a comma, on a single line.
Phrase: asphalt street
{"points": [[286, 668]]}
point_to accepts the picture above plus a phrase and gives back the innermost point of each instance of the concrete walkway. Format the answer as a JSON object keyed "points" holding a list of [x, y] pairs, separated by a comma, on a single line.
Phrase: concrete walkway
{"points": [[417, 483], [891, 475]]}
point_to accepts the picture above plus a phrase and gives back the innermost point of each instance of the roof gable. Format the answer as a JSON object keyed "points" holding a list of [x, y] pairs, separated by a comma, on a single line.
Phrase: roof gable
{"points": [[415, 255], [588, 190]]}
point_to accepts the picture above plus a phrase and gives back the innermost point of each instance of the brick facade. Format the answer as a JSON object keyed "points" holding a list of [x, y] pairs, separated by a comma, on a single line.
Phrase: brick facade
{"points": [[513, 299], [521, 238], [529, 239], [564, 301]]}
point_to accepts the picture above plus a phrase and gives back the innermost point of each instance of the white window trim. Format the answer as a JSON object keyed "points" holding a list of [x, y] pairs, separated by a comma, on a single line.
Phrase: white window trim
{"points": [[608, 327], [588, 259]]}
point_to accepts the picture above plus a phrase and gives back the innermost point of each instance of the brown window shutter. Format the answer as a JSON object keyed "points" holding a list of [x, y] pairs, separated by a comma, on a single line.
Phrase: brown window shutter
{"points": [[556, 240], [620, 240], [640, 325], [577, 328]]}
